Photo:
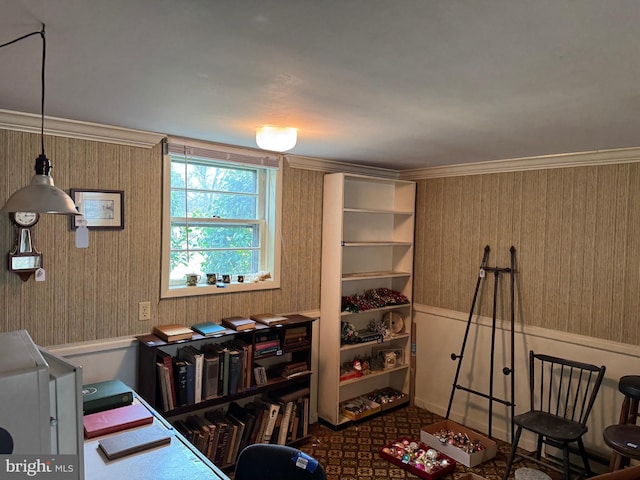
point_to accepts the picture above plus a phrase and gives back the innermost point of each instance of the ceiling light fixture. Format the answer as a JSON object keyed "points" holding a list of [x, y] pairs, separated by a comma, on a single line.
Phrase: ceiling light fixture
{"points": [[41, 195], [276, 139]]}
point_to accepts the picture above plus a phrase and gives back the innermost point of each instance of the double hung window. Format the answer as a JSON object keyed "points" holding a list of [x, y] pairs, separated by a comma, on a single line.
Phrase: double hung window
{"points": [[221, 215]]}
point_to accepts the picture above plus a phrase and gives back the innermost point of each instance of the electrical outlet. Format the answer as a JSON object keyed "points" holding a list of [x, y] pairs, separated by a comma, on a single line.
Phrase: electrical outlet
{"points": [[144, 311]]}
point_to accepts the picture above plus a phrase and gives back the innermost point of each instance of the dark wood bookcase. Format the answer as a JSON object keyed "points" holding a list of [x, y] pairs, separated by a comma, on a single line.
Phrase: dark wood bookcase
{"points": [[152, 350]]}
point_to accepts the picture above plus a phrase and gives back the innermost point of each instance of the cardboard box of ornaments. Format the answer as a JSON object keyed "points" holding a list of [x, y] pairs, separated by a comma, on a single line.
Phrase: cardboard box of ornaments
{"points": [[433, 435]]}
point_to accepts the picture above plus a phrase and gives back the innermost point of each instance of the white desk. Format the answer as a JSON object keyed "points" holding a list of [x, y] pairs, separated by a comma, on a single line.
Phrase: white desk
{"points": [[178, 460]]}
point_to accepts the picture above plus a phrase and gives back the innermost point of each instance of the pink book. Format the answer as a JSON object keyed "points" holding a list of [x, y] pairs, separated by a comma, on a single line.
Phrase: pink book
{"points": [[116, 419]]}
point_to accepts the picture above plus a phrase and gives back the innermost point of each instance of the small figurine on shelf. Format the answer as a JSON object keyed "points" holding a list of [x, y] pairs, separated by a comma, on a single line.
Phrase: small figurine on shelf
{"points": [[377, 325], [349, 333]]}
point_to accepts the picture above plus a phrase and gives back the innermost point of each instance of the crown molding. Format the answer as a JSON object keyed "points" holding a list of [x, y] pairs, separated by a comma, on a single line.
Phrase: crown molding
{"points": [[565, 160], [60, 127], [331, 166]]}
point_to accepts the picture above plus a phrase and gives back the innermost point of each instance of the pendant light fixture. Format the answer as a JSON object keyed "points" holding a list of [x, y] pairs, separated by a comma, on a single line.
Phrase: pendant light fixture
{"points": [[41, 195], [276, 139]]}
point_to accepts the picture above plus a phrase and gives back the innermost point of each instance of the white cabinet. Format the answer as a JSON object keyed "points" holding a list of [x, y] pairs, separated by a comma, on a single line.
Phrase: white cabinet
{"points": [[367, 246]]}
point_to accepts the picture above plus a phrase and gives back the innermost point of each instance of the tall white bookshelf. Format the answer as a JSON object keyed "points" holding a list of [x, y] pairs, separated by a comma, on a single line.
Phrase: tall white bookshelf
{"points": [[367, 243]]}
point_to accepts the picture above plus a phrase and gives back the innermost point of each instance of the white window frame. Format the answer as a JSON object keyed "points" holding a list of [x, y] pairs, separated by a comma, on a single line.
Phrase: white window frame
{"points": [[270, 237]]}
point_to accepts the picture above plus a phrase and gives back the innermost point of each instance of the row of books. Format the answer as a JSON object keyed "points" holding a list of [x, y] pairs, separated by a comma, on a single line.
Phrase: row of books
{"points": [[177, 332], [198, 374], [221, 435], [214, 370]]}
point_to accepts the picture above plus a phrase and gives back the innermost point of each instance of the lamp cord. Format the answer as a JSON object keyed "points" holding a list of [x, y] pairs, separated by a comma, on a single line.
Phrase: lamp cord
{"points": [[44, 56]]}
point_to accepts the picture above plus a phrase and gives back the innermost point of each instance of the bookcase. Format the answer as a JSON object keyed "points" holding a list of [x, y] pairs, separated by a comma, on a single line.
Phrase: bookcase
{"points": [[246, 387], [367, 279]]}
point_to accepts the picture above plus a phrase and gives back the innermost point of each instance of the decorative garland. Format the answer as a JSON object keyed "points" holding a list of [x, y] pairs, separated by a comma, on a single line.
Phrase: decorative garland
{"points": [[374, 298]]}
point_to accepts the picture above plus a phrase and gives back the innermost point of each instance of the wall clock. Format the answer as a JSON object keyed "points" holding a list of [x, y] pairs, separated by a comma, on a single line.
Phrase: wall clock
{"points": [[24, 259]]}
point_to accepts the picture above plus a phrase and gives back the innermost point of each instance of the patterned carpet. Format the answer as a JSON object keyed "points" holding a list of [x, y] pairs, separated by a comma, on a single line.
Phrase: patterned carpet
{"points": [[352, 453]]}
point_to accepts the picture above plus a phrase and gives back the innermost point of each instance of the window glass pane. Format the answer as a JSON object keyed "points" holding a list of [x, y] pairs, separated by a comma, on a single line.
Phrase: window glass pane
{"points": [[221, 261], [177, 174], [214, 236], [178, 237], [222, 205], [213, 177], [178, 203]]}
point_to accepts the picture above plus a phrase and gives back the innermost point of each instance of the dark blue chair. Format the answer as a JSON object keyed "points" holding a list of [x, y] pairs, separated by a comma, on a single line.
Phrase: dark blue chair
{"points": [[262, 461]]}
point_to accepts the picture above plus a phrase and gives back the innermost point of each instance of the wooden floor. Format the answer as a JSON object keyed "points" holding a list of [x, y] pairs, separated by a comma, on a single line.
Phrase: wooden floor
{"points": [[352, 453]]}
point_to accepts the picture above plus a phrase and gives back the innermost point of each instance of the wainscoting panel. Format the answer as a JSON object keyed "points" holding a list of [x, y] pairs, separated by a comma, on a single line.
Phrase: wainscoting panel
{"points": [[440, 333]]}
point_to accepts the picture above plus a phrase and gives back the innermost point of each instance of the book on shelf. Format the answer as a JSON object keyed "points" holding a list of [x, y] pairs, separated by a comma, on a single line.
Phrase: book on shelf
{"points": [[210, 374], [205, 436], [300, 331], [235, 367], [181, 426], [116, 419], [173, 332], [167, 360], [247, 416], [293, 429], [208, 329], [260, 374], [134, 441], [162, 383], [238, 324], [180, 376], [247, 361], [197, 435], [305, 417], [223, 365], [192, 355], [262, 411], [266, 351], [191, 383], [269, 319], [267, 345], [284, 426], [185, 429], [289, 346], [240, 427], [105, 395], [222, 425], [272, 410], [291, 368]]}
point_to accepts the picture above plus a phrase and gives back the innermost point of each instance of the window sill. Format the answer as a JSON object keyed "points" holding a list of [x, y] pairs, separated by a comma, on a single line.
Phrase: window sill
{"points": [[204, 289]]}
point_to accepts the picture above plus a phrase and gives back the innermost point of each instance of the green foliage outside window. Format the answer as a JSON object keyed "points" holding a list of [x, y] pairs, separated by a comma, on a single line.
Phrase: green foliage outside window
{"points": [[216, 218]]}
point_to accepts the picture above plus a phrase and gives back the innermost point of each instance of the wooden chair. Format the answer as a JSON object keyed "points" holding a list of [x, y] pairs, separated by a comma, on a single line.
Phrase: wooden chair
{"points": [[562, 393], [276, 462], [623, 438]]}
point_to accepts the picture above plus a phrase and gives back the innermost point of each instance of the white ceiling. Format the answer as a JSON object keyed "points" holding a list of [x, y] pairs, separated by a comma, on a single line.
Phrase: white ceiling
{"points": [[389, 83]]}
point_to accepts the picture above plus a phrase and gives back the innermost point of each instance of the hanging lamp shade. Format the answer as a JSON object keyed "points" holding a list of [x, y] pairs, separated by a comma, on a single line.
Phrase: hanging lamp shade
{"points": [[41, 195], [276, 139]]}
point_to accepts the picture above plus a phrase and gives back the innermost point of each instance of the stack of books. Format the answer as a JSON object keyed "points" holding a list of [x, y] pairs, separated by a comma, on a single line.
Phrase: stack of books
{"points": [[266, 343], [293, 369], [295, 337], [101, 396]]}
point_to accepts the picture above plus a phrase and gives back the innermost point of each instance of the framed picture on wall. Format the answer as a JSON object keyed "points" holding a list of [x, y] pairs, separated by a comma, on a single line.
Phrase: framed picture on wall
{"points": [[102, 209]]}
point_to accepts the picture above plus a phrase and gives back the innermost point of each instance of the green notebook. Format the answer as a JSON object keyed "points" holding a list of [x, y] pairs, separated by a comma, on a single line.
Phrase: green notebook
{"points": [[100, 396]]}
